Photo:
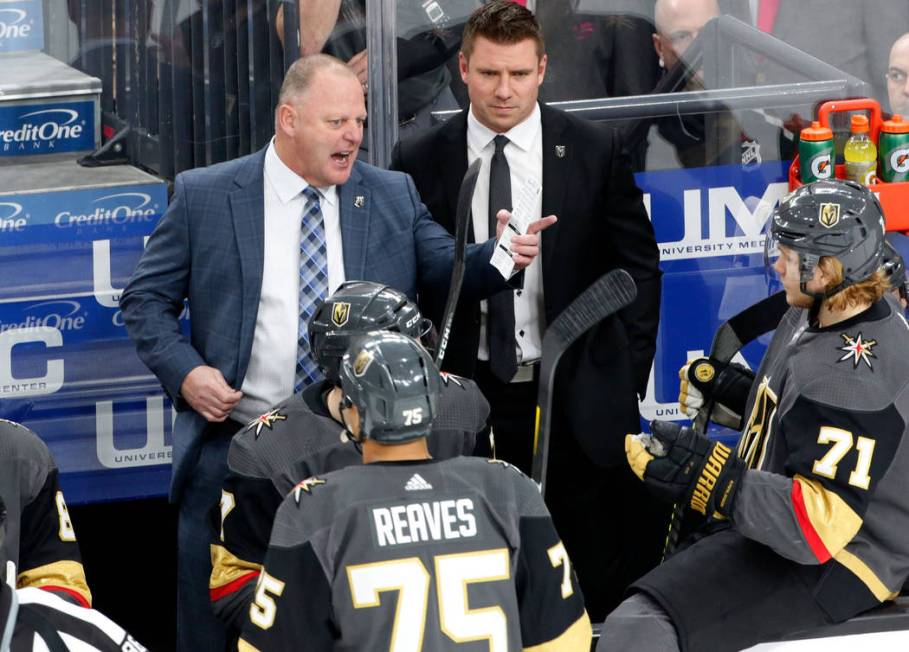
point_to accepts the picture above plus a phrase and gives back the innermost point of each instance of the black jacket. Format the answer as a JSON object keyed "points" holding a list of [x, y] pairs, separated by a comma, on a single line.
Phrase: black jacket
{"points": [[602, 226]]}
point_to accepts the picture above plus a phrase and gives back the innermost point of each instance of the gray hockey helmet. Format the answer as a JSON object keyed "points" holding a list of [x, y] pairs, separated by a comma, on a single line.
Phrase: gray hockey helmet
{"points": [[836, 218], [394, 385], [358, 307]]}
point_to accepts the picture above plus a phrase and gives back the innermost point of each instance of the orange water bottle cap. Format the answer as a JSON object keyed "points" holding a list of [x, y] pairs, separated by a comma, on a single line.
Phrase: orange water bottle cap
{"points": [[859, 124], [895, 125], [816, 132]]}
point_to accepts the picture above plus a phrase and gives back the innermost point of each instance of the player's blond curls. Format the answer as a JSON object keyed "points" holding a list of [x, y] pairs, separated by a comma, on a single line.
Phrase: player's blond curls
{"points": [[862, 293]]}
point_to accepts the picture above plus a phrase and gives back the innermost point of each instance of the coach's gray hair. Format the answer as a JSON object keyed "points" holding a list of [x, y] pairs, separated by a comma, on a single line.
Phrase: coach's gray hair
{"points": [[302, 71]]}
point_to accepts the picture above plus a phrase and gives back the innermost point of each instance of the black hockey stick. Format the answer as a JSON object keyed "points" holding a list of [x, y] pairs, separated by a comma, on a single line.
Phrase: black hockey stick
{"points": [[462, 220], [608, 294], [738, 331], [729, 339]]}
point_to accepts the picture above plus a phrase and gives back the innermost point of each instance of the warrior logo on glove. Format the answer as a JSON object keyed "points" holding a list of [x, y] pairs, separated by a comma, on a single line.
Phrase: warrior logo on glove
{"points": [[676, 463]]}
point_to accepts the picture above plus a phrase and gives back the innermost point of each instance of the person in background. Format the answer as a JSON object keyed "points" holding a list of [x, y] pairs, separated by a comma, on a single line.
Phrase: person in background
{"points": [[898, 76], [40, 548]]}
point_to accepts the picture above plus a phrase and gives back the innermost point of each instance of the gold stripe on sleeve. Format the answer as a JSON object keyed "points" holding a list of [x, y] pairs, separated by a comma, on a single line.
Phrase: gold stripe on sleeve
{"points": [[227, 567], [66, 574], [576, 638], [833, 520], [870, 579]]}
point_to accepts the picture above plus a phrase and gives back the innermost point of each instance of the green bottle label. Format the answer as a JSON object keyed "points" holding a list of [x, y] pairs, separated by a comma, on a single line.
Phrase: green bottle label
{"points": [[894, 157], [817, 160]]}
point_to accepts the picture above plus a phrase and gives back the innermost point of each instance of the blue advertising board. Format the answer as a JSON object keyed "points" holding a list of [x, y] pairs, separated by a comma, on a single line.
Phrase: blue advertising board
{"points": [[710, 225], [68, 369], [47, 128], [21, 25]]}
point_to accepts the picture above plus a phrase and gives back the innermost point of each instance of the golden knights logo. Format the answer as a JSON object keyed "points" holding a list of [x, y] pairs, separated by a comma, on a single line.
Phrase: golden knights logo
{"points": [[857, 350], [754, 439], [829, 215], [266, 420], [306, 487], [340, 313], [361, 362]]}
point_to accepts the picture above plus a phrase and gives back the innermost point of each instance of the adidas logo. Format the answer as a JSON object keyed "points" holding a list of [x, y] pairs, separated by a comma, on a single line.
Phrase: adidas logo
{"points": [[417, 483]]}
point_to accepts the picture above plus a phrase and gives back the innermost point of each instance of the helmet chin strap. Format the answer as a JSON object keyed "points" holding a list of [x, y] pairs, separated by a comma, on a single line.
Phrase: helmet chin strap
{"points": [[817, 301], [358, 441]]}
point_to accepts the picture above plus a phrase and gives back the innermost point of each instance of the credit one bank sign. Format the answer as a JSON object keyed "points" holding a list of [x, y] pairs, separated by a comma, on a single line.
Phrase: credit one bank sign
{"points": [[21, 25]]}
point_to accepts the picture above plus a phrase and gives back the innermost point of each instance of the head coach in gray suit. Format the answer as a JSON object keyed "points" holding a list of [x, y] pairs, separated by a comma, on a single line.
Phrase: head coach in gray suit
{"points": [[254, 244]]}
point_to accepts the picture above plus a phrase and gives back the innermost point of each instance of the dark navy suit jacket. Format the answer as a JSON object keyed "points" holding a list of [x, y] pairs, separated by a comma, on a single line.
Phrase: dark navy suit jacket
{"points": [[209, 248]]}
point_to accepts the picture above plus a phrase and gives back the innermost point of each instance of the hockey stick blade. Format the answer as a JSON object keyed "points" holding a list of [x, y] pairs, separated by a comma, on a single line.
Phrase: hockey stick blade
{"points": [[462, 220], [609, 294]]}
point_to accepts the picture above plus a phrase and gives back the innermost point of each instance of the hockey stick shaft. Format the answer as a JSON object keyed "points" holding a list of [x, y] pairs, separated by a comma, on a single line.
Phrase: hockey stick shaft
{"points": [[730, 337], [609, 294], [462, 220], [736, 332]]}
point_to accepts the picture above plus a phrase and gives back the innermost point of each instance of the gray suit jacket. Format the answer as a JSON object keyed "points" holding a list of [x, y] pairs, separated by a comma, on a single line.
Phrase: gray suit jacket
{"points": [[209, 249]]}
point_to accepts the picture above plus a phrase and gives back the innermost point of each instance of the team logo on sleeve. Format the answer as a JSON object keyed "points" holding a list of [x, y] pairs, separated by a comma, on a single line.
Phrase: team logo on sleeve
{"points": [[857, 349], [340, 313], [306, 487], [505, 465], [829, 215], [450, 378], [266, 420]]}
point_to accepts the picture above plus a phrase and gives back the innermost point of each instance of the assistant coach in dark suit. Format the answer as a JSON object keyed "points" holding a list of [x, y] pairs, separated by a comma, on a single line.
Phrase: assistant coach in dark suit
{"points": [[254, 244], [602, 225]]}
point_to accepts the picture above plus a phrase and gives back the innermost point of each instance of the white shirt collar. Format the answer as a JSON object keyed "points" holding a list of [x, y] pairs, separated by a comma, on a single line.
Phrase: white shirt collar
{"points": [[288, 184], [521, 135]]}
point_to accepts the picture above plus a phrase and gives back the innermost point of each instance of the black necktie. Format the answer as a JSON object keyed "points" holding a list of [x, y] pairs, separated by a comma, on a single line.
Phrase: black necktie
{"points": [[503, 361]]}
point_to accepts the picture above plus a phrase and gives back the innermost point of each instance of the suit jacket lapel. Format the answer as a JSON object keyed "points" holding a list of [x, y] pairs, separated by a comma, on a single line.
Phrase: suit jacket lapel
{"points": [[557, 157], [452, 164], [355, 209], [247, 207]]}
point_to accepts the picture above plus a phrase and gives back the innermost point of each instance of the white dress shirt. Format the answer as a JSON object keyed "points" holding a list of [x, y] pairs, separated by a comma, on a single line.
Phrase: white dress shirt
{"points": [[524, 153], [272, 363]]}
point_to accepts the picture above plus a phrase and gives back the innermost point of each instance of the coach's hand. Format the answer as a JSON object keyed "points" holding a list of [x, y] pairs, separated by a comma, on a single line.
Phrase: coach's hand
{"points": [[678, 464], [205, 389], [524, 248]]}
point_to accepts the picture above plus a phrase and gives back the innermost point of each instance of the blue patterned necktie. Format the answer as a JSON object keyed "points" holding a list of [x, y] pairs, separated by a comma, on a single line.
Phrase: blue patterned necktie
{"points": [[313, 284]]}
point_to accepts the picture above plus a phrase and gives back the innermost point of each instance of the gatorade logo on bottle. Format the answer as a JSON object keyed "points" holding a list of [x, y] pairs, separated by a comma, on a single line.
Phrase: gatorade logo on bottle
{"points": [[821, 167], [899, 160]]}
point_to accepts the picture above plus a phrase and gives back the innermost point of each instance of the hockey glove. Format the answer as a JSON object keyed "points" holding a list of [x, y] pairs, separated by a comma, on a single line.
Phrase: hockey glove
{"points": [[677, 464], [727, 385]]}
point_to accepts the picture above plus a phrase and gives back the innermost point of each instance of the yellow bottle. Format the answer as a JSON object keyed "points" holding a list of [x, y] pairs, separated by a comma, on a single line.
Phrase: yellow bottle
{"points": [[860, 152]]}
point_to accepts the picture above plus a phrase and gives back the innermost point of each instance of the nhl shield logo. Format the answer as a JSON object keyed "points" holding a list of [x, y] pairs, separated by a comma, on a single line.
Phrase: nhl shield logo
{"points": [[829, 215], [361, 362], [340, 312]]}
